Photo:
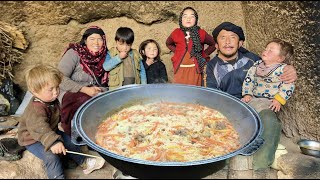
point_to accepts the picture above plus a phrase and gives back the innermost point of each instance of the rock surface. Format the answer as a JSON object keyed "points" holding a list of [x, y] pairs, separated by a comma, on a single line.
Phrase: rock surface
{"points": [[28, 167], [50, 26], [300, 166], [299, 24]]}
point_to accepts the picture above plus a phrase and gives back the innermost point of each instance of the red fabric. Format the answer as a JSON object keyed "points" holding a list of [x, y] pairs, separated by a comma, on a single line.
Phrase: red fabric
{"points": [[70, 104], [187, 75], [177, 44]]}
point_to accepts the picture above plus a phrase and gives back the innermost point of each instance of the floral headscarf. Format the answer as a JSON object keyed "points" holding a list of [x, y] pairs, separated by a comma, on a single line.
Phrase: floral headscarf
{"points": [[92, 63]]}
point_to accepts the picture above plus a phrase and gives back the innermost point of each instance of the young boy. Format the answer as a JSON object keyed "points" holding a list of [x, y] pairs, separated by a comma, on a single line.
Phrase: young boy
{"points": [[262, 87], [123, 63], [38, 128]]}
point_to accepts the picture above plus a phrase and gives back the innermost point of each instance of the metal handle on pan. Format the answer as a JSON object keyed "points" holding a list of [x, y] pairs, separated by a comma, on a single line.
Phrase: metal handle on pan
{"points": [[259, 141], [75, 137]]}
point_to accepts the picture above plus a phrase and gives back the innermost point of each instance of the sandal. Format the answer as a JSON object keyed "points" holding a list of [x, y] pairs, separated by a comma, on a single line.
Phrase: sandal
{"points": [[10, 150]]}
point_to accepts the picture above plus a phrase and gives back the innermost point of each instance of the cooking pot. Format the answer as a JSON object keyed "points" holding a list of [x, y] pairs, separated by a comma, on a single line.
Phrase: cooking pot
{"points": [[244, 119]]}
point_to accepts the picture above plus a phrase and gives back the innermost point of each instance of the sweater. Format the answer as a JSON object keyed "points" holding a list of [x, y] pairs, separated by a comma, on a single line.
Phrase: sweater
{"points": [[156, 72], [269, 86], [39, 123], [229, 78], [176, 42], [74, 76]]}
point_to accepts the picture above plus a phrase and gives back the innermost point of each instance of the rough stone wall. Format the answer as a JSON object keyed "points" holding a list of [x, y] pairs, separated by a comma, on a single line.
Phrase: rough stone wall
{"points": [[50, 26], [299, 24]]}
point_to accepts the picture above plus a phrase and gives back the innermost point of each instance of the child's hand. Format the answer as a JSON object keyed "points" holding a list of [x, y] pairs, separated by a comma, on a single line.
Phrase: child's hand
{"points": [[275, 105], [58, 148], [149, 61], [246, 98], [123, 54]]}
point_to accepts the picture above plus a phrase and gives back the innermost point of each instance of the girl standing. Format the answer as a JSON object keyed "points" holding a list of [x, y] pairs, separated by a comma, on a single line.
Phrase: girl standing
{"points": [[187, 43], [155, 69]]}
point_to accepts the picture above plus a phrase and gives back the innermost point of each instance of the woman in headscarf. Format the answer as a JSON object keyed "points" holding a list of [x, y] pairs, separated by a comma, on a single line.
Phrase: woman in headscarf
{"points": [[187, 44], [84, 76]]}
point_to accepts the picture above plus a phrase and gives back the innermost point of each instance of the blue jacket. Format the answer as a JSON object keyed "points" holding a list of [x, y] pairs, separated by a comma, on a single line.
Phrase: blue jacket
{"points": [[226, 77]]}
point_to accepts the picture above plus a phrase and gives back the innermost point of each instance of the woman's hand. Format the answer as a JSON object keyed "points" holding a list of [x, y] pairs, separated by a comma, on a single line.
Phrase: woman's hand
{"points": [[275, 105], [246, 98], [289, 74], [58, 148], [90, 91]]}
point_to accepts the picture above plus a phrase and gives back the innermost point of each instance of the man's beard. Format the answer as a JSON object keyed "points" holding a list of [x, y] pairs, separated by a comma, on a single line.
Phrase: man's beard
{"points": [[227, 55]]}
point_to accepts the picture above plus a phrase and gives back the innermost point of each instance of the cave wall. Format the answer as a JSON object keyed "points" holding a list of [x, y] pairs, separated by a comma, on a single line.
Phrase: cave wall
{"points": [[299, 24], [49, 26]]}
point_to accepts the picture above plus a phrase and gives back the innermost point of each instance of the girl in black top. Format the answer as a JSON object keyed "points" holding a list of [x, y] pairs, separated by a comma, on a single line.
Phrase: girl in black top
{"points": [[155, 68]]}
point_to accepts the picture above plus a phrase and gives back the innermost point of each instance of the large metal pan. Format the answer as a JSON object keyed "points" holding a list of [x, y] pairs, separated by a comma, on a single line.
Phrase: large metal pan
{"points": [[245, 120]]}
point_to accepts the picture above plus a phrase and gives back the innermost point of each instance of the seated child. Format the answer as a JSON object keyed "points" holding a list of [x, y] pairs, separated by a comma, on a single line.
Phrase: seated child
{"points": [[155, 69], [124, 63], [262, 79], [38, 126]]}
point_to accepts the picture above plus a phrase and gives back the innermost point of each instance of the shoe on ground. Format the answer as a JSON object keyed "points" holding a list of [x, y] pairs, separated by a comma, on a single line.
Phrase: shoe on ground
{"points": [[10, 157], [10, 150], [93, 164]]}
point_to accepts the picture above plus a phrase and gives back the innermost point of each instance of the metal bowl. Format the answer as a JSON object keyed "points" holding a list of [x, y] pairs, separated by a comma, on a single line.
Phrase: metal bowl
{"points": [[245, 120], [310, 147]]}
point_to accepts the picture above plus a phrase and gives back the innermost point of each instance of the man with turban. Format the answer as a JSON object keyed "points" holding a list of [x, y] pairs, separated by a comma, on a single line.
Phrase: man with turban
{"points": [[227, 71]]}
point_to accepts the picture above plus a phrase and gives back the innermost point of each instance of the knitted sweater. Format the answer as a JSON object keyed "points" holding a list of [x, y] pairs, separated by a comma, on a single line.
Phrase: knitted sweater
{"points": [[39, 123], [269, 86]]}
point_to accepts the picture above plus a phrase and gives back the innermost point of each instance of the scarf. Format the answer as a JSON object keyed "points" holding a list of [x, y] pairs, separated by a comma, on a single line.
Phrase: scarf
{"points": [[196, 50], [264, 71], [92, 63]]}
